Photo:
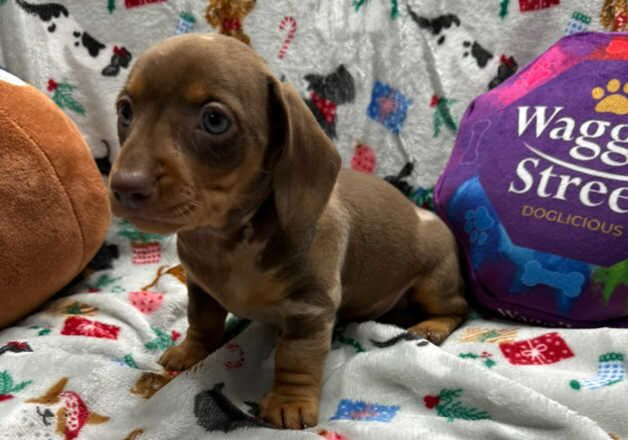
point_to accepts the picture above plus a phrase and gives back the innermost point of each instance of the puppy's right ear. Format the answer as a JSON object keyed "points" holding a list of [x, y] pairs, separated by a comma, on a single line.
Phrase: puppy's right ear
{"points": [[307, 162]]}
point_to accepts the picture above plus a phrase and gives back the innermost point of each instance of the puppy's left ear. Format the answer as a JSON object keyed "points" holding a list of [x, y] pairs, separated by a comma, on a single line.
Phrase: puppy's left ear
{"points": [[307, 162]]}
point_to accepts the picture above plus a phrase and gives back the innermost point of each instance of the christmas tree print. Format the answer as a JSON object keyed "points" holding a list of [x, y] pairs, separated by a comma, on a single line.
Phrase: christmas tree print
{"points": [[8, 387], [62, 96], [610, 370], [2, 2], [111, 6], [447, 405], [442, 114], [611, 278], [162, 340], [394, 7]]}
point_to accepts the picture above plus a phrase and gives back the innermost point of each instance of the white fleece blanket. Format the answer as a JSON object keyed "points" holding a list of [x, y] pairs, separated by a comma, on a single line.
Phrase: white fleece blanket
{"points": [[85, 368]]}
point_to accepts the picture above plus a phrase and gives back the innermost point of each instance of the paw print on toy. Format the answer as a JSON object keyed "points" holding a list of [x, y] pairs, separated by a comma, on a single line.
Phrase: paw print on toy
{"points": [[564, 277], [611, 99], [477, 222]]}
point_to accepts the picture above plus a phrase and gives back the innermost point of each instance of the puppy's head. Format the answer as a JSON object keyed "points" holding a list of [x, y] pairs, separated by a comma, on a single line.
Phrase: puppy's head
{"points": [[207, 134]]}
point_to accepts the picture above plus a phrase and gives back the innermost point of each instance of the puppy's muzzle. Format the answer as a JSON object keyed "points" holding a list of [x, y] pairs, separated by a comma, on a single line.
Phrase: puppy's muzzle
{"points": [[134, 189]]}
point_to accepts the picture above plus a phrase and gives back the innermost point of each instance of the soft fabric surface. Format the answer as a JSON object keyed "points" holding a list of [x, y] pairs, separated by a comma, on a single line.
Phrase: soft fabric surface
{"points": [[490, 379], [55, 212], [414, 67]]}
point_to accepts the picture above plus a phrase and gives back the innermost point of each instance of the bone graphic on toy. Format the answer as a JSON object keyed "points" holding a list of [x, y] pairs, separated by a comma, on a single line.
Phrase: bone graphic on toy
{"points": [[472, 149], [570, 284]]}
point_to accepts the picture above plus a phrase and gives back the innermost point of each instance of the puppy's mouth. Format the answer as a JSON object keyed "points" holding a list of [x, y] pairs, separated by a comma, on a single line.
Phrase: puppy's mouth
{"points": [[162, 220]]}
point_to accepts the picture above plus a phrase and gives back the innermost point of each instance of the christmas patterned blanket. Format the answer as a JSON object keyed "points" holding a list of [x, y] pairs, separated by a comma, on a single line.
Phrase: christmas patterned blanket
{"points": [[388, 80]]}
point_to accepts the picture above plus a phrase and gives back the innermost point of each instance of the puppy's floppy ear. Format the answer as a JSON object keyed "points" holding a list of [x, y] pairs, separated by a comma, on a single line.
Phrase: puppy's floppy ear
{"points": [[307, 162]]}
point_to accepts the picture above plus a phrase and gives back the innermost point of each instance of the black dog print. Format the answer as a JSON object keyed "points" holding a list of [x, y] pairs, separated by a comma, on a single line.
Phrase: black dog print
{"points": [[507, 67], [435, 25], [215, 412], [121, 58], [481, 55], [92, 45], [399, 180], [45, 11], [104, 163], [326, 93]]}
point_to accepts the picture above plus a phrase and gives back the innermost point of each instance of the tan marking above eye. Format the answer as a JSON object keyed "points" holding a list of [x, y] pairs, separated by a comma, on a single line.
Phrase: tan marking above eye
{"points": [[135, 86], [196, 93]]}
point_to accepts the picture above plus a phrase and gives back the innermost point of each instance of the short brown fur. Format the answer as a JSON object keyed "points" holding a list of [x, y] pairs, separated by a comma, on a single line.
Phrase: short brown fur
{"points": [[268, 226]]}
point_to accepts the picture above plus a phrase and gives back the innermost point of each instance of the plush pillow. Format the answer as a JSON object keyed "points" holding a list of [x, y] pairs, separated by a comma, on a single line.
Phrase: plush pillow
{"points": [[536, 189], [53, 202]]}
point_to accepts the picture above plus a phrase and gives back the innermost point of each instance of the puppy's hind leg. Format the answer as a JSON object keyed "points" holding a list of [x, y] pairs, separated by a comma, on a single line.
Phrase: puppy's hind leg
{"points": [[206, 328], [440, 297]]}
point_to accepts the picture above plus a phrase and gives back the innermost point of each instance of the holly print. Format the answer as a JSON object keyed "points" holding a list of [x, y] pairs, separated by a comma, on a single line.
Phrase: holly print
{"points": [[448, 405], [485, 357], [8, 386], [79, 326], [102, 281], [62, 96], [364, 159], [162, 340], [503, 8], [442, 114]]}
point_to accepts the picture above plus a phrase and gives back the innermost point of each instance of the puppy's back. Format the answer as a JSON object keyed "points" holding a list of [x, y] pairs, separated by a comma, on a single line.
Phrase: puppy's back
{"points": [[391, 241]]}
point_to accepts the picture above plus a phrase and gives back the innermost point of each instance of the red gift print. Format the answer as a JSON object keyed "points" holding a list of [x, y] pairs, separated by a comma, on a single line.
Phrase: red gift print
{"points": [[135, 3], [545, 349], [146, 253], [79, 326], [531, 5]]}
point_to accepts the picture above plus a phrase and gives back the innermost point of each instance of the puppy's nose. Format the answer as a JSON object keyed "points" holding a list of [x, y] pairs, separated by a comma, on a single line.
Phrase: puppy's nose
{"points": [[134, 189]]}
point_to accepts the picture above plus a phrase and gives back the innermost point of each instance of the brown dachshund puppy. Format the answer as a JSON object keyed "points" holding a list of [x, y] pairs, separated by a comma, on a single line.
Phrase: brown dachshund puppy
{"points": [[219, 151]]}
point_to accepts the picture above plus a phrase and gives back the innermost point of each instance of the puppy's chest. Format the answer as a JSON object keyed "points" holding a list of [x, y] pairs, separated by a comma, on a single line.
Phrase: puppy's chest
{"points": [[234, 277]]}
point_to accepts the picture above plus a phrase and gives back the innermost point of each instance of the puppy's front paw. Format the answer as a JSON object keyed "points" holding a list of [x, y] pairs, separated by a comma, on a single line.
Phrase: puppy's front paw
{"points": [[433, 331], [289, 412], [183, 356]]}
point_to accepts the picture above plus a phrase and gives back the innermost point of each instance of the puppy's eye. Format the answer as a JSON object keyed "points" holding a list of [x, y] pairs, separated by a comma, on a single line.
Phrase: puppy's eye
{"points": [[125, 113], [215, 122]]}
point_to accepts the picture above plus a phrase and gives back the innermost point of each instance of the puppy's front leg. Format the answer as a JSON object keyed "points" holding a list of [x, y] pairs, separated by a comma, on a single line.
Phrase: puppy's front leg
{"points": [[206, 328], [293, 400]]}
